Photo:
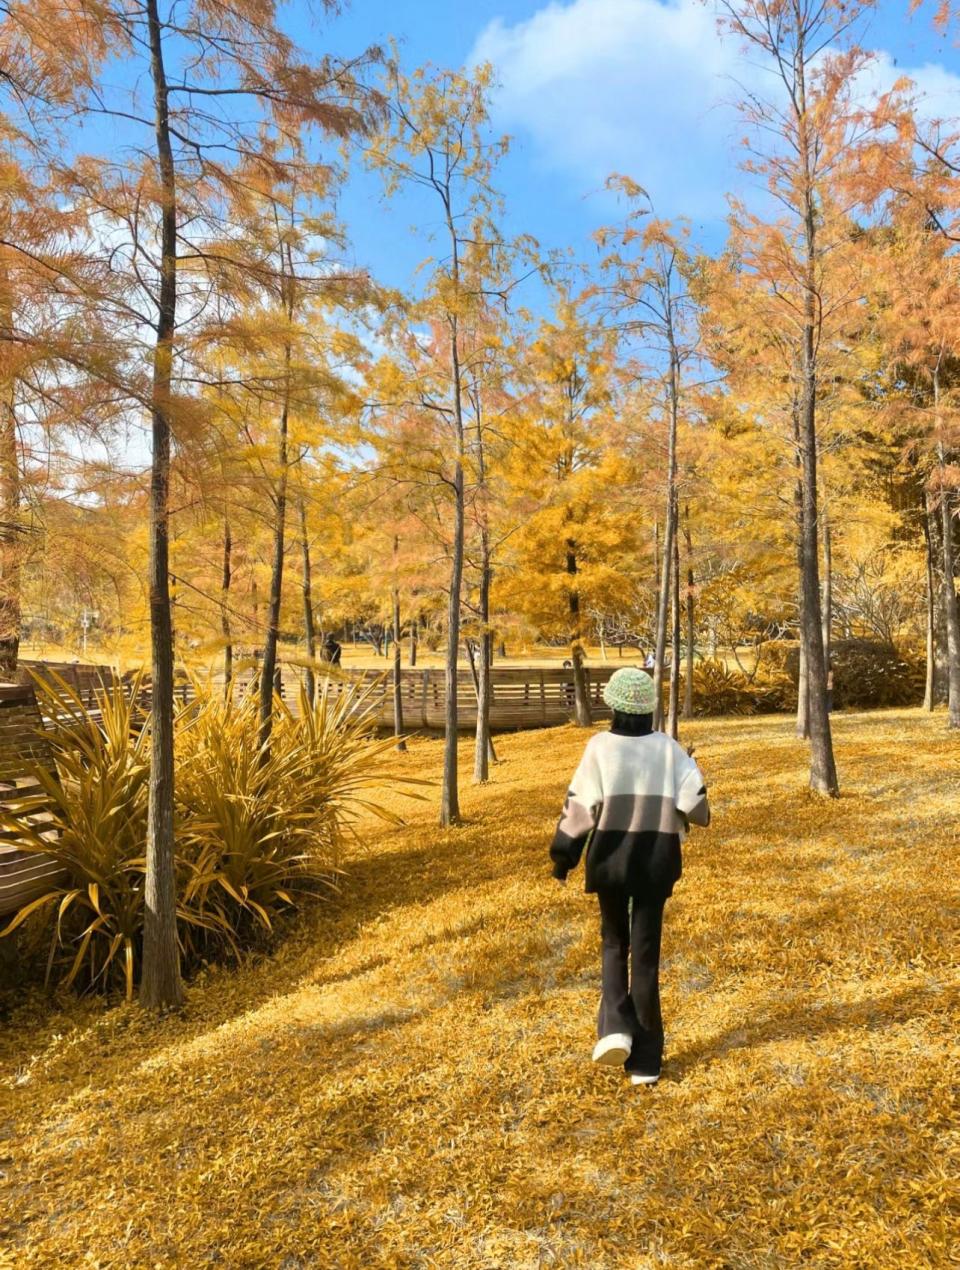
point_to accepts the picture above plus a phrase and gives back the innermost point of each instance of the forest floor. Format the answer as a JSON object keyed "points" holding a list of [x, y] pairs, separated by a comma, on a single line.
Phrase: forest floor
{"points": [[406, 1081]]}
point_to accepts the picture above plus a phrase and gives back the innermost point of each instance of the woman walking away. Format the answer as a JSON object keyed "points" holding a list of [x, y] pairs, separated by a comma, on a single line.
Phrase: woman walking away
{"points": [[631, 802]]}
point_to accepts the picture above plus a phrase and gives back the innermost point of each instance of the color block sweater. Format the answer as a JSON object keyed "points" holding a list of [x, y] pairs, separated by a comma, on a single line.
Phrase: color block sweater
{"points": [[629, 804]]}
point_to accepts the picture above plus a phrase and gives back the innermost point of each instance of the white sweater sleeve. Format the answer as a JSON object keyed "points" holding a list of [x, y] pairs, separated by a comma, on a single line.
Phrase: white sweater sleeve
{"points": [[691, 793], [580, 814]]}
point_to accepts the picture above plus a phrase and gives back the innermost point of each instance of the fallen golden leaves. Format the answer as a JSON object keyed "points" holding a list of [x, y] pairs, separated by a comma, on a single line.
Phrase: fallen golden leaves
{"points": [[406, 1083]]}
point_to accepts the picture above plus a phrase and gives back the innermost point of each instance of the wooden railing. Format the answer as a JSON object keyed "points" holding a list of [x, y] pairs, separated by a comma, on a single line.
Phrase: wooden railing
{"points": [[24, 875], [521, 697]]}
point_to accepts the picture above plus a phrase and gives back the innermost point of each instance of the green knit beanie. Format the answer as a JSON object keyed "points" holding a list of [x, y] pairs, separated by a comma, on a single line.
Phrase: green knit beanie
{"points": [[630, 691]]}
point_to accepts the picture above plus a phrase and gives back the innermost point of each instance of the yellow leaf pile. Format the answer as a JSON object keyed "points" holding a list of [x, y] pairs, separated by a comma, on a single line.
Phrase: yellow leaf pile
{"points": [[406, 1082]]}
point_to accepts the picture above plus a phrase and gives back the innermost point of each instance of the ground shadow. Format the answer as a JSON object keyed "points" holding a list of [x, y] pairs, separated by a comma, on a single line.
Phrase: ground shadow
{"points": [[796, 1023]]}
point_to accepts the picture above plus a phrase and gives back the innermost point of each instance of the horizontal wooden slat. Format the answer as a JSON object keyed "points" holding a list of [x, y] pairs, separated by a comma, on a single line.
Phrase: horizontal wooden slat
{"points": [[24, 875]]}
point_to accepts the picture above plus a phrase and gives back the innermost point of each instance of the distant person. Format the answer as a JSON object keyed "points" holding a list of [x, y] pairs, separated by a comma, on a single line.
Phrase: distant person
{"points": [[649, 662], [631, 803], [332, 652], [569, 688]]}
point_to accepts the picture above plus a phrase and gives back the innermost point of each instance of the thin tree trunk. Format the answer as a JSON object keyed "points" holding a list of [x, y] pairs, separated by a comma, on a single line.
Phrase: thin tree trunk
{"points": [[930, 539], [413, 641], [309, 628], [656, 559], [674, 712], [272, 637], [581, 698], [11, 546], [803, 689], [691, 624], [225, 580], [450, 795], [823, 770], [161, 985], [450, 798], [827, 615], [397, 652], [803, 681], [269, 678], [670, 531], [483, 753], [477, 673], [951, 609]]}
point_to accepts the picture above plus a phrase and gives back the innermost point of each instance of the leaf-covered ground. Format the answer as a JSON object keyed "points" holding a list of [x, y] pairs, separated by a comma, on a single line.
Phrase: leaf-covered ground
{"points": [[407, 1083]]}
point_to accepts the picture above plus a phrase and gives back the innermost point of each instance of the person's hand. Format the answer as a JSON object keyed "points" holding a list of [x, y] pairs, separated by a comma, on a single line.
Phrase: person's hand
{"points": [[690, 749]]}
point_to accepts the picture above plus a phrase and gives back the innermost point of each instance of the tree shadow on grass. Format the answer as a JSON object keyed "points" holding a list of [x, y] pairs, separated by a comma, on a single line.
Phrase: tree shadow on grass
{"points": [[377, 883], [798, 1023]]}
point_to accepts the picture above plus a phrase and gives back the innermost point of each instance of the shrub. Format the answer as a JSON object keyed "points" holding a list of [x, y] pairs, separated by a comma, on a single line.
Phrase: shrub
{"points": [[868, 674], [94, 825], [255, 828], [775, 653], [719, 690]]}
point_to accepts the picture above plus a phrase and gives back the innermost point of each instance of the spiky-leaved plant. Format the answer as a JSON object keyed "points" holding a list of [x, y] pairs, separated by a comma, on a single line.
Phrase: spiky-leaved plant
{"points": [[90, 817], [259, 825]]}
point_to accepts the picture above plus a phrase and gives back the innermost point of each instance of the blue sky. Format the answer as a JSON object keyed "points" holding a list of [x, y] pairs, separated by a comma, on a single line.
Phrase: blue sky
{"points": [[587, 87]]}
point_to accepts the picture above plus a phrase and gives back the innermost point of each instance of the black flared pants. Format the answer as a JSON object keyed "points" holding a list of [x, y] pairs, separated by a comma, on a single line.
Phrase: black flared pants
{"points": [[630, 929]]}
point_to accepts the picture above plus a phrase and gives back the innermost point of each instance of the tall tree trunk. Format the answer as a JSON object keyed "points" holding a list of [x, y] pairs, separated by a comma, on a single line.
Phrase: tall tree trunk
{"points": [[270, 674], [581, 698], [414, 626], [803, 681], [691, 623], [225, 580], [803, 688], [450, 794], [656, 568], [306, 584], [930, 542], [951, 610], [450, 797], [670, 532], [11, 546], [397, 651], [823, 770], [161, 985], [827, 614], [483, 752], [674, 712]]}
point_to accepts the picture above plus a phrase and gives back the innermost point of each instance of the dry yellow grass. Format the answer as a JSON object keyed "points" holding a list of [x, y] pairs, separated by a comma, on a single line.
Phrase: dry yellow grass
{"points": [[407, 1082]]}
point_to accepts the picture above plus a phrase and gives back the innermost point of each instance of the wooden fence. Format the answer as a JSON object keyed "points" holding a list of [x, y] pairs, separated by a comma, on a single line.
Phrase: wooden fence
{"points": [[520, 697], [23, 875]]}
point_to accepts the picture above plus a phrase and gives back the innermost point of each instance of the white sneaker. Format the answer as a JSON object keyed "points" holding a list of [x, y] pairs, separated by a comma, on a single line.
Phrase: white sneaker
{"points": [[613, 1050], [638, 1078]]}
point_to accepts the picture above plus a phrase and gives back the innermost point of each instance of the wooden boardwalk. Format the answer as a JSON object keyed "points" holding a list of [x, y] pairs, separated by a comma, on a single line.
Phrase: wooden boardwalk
{"points": [[24, 875], [521, 697]]}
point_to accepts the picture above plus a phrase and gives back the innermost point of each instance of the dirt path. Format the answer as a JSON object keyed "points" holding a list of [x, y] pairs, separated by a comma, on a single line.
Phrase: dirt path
{"points": [[406, 1083]]}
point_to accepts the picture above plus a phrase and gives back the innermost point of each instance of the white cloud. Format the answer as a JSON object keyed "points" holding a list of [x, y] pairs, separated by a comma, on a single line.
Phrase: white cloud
{"points": [[592, 87]]}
